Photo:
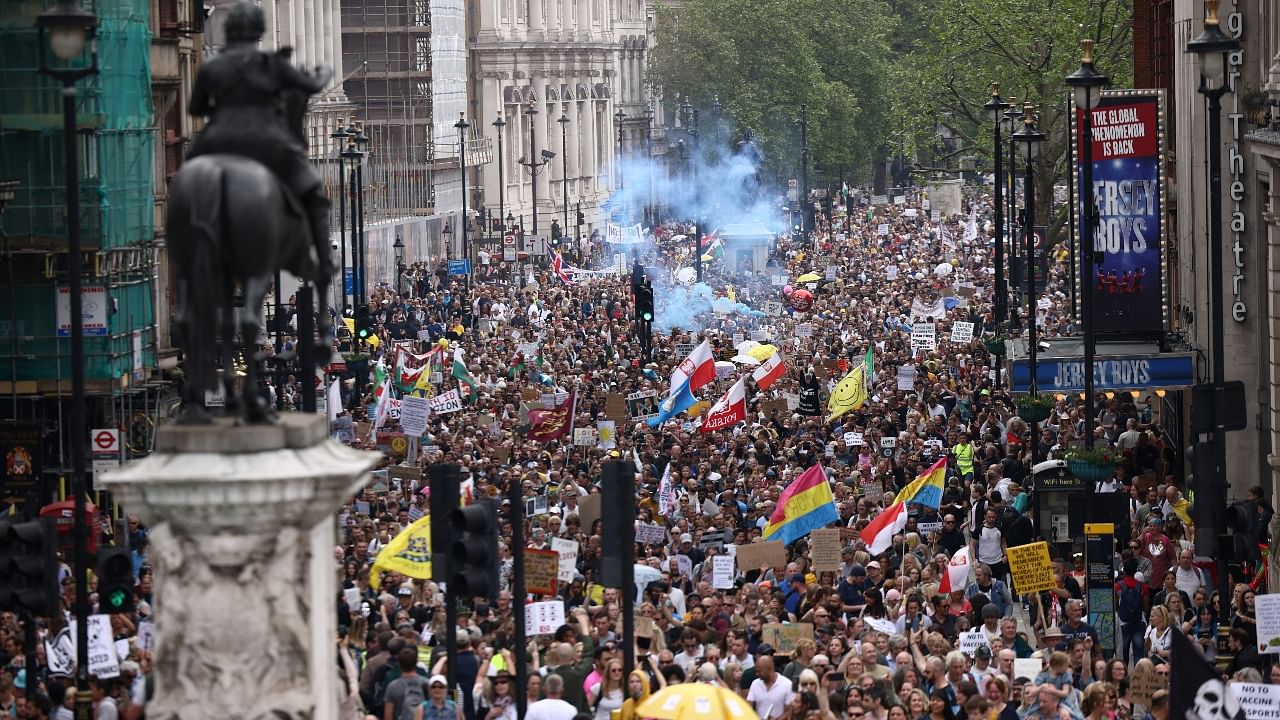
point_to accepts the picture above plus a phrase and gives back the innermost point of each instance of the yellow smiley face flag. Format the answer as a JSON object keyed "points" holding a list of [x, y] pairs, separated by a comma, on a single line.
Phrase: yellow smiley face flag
{"points": [[849, 394]]}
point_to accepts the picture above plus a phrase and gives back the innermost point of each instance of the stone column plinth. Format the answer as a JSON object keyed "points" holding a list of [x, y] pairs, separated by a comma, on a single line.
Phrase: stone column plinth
{"points": [[242, 545]]}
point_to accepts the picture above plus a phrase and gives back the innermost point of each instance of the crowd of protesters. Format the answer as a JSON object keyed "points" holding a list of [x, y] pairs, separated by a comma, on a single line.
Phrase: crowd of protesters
{"points": [[884, 640]]}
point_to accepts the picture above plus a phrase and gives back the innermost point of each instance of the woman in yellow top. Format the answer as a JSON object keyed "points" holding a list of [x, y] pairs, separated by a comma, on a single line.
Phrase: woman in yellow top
{"points": [[637, 692]]}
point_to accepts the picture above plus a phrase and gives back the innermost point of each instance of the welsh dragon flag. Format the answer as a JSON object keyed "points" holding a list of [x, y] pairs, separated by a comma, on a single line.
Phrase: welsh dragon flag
{"points": [[461, 374]]}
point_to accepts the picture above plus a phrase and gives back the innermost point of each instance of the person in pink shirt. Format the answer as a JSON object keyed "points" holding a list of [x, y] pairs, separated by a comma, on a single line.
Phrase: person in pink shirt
{"points": [[1159, 549]]}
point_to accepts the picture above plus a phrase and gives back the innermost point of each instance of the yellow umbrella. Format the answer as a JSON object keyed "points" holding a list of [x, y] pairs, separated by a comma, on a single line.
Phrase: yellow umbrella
{"points": [[695, 701], [762, 352], [808, 277]]}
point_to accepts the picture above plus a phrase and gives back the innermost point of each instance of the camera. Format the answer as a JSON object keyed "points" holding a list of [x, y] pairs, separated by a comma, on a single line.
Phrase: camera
{"points": [[334, 245]]}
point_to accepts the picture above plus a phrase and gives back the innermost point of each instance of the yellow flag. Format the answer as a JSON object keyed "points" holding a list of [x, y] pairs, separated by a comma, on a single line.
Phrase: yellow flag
{"points": [[373, 341], [408, 554], [849, 394], [728, 290], [350, 323]]}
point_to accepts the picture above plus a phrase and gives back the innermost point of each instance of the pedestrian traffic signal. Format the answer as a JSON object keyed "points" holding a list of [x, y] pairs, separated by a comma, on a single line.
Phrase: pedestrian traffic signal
{"points": [[364, 323], [29, 568], [582, 219], [555, 233], [474, 551], [618, 534], [115, 580], [644, 302]]}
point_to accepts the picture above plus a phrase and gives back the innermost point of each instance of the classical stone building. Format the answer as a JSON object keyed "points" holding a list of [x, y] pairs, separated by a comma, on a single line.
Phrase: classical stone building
{"points": [[575, 64]]}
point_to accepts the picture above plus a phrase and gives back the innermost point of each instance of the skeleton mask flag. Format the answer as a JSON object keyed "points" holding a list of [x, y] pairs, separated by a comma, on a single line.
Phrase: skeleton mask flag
{"points": [[1196, 692]]}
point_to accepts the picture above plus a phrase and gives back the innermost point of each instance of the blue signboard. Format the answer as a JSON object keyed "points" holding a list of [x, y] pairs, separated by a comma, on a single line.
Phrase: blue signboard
{"points": [[1111, 372], [348, 282], [460, 267]]}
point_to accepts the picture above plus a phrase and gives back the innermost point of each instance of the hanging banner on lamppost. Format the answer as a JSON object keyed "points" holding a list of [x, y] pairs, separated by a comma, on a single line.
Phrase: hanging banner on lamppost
{"points": [[1129, 272]]}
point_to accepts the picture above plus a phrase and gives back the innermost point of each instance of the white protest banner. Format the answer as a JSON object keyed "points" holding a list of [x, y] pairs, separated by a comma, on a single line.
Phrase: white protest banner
{"points": [[584, 437], [882, 229], [833, 272], [414, 412], [926, 528], [972, 640], [722, 572], [935, 310], [772, 308], [924, 336], [793, 400], [60, 653], [891, 272], [606, 434], [1258, 701], [884, 625], [804, 330], [650, 534], [543, 618], [778, 280], [961, 332], [849, 437], [568, 550], [147, 636], [1267, 608], [855, 441], [759, 335], [445, 403], [103, 661], [907, 377]]}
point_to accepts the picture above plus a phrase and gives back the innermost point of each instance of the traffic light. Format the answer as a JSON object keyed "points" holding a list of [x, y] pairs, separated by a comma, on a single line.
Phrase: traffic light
{"points": [[474, 550], [582, 219], [29, 568], [618, 511], [555, 234], [1242, 518], [115, 580], [364, 323], [644, 302], [444, 483]]}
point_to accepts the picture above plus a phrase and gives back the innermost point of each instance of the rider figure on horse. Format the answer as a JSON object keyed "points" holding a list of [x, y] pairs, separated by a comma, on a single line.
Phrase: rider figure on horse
{"points": [[246, 94]]}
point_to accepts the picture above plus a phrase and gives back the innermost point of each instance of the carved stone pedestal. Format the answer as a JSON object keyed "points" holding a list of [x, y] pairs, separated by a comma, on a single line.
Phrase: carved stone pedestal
{"points": [[242, 545]]}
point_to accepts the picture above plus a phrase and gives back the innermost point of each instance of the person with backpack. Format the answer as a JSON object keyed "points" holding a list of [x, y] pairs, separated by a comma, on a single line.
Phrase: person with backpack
{"points": [[1130, 600], [409, 690]]}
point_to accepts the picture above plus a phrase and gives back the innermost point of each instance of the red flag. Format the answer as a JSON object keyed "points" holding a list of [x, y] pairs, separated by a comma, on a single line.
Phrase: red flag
{"points": [[957, 572], [878, 534], [769, 371], [728, 410], [550, 424]]}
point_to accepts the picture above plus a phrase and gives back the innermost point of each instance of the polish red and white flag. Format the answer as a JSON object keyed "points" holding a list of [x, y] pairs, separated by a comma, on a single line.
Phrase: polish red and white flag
{"points": [[728, 410], [769, 371]]}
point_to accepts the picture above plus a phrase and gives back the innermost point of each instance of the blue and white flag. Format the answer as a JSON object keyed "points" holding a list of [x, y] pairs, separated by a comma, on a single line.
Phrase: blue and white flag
{"points": [[680, 399]]}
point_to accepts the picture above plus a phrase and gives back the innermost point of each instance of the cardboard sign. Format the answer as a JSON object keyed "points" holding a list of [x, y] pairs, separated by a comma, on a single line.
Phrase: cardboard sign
{"points": [[567, 551], [722, 572], [753, 556], [962, 332], [615, 406], [540, 569], [972, 640], [414, 412], [882, 229], [1268, 610], [60, 652], [778, 405], [891, 272], [645, 627], [543, 618], [1144, 681], [825, 549], [1258, 701], [650, 534], [1031, 568], [784, 636], [832, 271], [589, 510]]}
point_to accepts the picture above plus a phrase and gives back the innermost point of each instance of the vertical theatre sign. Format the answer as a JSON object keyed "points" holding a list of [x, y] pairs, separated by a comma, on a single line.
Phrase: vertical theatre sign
{"points": [[1236, 166], [1128, 192]]}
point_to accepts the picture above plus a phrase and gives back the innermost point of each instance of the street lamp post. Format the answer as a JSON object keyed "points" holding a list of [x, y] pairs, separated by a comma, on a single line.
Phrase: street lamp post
{"points": [[340, 136], [1086, 84], [650, 213], [689, 115], [533, 164], [399, 249], [501, 125], [361, 140], [564, 166], [1028, 140], [804, 170], [68, 27], [462, 126], [1211, 48], [995, 107], [1013, 121], [618, 118]]}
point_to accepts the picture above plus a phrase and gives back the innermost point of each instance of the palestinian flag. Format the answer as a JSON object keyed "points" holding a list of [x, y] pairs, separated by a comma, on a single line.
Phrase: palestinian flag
{"points": [[463, 377]]}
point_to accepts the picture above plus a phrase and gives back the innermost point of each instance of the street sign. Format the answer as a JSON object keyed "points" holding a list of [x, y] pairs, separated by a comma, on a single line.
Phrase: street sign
{"points": [[792, 182], [509, 240], [104, 441], [460, 267], [508, 254]]}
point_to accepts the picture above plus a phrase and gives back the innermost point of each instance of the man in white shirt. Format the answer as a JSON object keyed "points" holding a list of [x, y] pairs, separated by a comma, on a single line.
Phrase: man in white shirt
{"points": [[551, 707], [1187, 576], [770, 691], [1128, 439]]}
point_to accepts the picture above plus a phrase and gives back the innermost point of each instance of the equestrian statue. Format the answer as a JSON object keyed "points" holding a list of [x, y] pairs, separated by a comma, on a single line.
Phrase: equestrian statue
{"points": [[245, 205]]}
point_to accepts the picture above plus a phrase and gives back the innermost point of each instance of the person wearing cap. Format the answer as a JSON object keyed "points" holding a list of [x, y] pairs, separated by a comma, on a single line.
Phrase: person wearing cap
{"points": [[982, 669], [438, 705]]}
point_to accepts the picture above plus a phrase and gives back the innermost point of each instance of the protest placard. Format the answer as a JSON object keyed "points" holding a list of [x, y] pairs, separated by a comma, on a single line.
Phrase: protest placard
{"points": [[1267, 608], [642, 405], [753, 556], [543, 618], [972, 640], [925, 528], [923, 336], [650, 534], [444, 403], [804, 330], [907, 377], [615, 407], [645, 626], [825, 549], [567, 550], [414, 412], [772, 308], [1027, 668], [962, 332], [722, 572], [589, 509], [882, 229], [540, 570], [1143, 682], [584, 437], [784, 636], [891, 272], [1258, 701], [1032, 571]]}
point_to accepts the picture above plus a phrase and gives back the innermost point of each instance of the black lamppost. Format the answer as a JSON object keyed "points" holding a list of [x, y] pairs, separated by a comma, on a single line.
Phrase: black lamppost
{"points": [[533, 164], [996, 107], [1086, 85], [689, 115], [564, 165], [501, 125], [1028, 140], [68, 27], [354, 154], [1211, 48], [1012, 122], [462, 126], [340, 136], [649, 211], [398, 246], [618, 118], [804, 170], [362, 141]]}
